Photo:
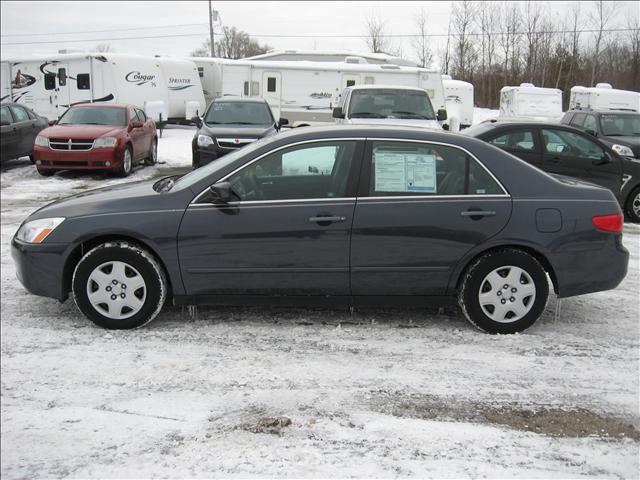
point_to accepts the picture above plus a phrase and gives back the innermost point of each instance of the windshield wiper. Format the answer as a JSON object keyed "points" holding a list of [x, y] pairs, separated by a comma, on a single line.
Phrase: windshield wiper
{"points": [[419, 115], [367, 115]]}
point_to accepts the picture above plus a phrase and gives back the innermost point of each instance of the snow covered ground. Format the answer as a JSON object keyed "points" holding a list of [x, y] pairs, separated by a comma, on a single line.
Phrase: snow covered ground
{"points": [[386, 393]]}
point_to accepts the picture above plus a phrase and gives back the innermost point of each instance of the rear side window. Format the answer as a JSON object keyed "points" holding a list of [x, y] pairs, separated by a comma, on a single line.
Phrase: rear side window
{"points": [[578, 119], [49, 81], [83, 81], [271, 84], [20, 114], [5, 115], [520, 140], [410, 169]]}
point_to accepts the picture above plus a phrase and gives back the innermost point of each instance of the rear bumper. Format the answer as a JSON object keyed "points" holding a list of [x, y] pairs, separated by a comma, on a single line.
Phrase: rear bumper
{"points": [[589, 271], [40, 268], [94, 159]]}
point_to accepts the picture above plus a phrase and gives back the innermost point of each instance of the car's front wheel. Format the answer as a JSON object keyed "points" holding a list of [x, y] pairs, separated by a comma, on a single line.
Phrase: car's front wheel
{"points": [[504, 291], [119, 285], [46, 172], [633, 206], [127, 163]]}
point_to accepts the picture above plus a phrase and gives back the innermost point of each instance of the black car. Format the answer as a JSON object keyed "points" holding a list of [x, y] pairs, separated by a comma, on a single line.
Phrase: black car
{"points": [[620, 130], [230, 123], [565, 150], [19, 127], [339, 216]]}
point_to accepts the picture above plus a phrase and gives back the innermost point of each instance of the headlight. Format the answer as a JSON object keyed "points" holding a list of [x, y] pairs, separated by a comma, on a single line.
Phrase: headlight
{"points": [[105, 142], [204, 141], [42, 141], [622, 150], [36, 231]]}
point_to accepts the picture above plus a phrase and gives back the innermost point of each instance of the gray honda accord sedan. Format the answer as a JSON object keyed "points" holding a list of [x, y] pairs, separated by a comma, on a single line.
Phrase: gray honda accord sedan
{"points": [[341, 216]]}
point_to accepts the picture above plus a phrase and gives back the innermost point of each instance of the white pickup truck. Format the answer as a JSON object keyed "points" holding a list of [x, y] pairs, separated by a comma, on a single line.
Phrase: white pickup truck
{"points": [[387, 105]]}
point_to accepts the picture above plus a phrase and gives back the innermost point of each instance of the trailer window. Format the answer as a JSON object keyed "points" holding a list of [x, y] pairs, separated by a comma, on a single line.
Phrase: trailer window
{"points": [[369, 80], [62, 77], [49, 81], [83, 81], [254, 91], [351, 83], [271, 84], [201, 72]]}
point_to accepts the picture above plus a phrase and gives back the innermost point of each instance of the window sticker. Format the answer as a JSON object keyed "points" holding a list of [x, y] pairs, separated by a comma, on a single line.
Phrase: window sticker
{"points": [[405, 172]]}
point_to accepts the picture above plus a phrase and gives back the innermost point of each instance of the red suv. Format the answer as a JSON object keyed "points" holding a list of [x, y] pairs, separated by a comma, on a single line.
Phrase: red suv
{"points": [[97, 136]]}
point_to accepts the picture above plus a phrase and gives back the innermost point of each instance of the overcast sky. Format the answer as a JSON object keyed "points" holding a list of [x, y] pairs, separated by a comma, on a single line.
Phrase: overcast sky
{"points": [[183, 25]]}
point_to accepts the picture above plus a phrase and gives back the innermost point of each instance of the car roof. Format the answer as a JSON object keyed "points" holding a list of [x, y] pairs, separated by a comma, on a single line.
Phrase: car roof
{"points": [[234, 99], [385, 87], [13, 104], [608, 111], [103, 104]]}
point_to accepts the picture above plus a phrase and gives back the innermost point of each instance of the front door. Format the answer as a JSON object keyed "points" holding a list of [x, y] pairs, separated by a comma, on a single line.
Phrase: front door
{"points": [[421, 207], [272, 91], [288, 233], [575, 155]]}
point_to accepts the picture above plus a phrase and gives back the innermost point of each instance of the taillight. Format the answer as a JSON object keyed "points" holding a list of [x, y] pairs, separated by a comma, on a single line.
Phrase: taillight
{"points": [[609, 223]]}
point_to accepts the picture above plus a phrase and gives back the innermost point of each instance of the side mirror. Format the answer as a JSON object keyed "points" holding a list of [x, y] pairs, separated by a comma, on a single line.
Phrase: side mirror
{"points": [[593, 133], [445, 126], [197, 120], [52, 122], [283, 121], [222, 193], [4, 123], [136, 125], [338, 113], [442, 115]]}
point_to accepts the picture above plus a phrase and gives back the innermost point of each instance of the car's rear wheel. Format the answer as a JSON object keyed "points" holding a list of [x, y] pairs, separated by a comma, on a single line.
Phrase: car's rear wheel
{"points": [[127, 163], [152, 159], [119, 285], [504, 291], [46, 172], [633, 206]]}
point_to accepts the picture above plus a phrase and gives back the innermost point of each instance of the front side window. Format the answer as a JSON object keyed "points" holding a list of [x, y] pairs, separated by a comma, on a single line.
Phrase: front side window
{"points": [[390, 103], [5, 115], [409, 169], [570, 144], [238, 113], [519, 140], [142, 117], [578, 119], [318, 170], [590, 123], [94, 116], [20, 114], [615, 125], [83, 81]]}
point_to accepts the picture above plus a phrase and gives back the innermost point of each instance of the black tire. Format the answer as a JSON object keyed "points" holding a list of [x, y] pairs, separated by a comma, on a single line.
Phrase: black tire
{"points": [[152, 159], [126, 167], [153, 293], [32, 158], [46, 172], [633, 200], [475, 279]]}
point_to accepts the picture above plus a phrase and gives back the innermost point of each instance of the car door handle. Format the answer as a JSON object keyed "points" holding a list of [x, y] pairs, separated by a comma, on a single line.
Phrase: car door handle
{"points": [[327, 219], [478, 213], [554, 160]]}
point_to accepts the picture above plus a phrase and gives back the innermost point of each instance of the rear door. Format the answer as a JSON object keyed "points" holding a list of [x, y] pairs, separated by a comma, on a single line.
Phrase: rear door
{"points": [[288, 233], [522, 142], [576, 155], [421, 207]]}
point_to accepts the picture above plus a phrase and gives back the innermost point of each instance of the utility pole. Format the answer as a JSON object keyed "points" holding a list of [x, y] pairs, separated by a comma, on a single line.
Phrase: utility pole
{"points": [[211, 29]]}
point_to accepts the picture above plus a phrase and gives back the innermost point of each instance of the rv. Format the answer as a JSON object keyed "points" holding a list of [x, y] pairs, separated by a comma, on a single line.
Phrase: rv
{"points": [[528, 102], [458, 97], [49, 85], [305, 92], [603, 97]]}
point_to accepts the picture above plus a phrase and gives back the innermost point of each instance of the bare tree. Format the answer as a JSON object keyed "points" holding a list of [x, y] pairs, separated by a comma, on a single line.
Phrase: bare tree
{"points": [[509, 41], [104, 48], [465, 54], [634, 42], [446, 53], [232, 43], [604, 12], [532, 21], [421, 42], [376, 40]]}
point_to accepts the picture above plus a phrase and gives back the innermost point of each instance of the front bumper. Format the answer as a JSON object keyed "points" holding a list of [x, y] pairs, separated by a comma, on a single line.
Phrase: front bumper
{"points": [[40, 268], [94, 159]]}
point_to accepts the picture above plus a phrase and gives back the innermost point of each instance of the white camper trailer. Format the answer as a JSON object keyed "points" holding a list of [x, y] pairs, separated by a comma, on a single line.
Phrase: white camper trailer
{"points": [[304, 92], [333, 56], [603, 97], [458, 96], [528, 102], [49, 85]]}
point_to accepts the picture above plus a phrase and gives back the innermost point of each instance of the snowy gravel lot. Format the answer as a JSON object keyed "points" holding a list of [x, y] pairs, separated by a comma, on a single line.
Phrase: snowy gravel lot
{"points": [[392, 393]]}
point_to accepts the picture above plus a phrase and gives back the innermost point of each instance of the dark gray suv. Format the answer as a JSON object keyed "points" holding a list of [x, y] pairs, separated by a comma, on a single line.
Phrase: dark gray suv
{"points": [[230, 123], [338, 216]]}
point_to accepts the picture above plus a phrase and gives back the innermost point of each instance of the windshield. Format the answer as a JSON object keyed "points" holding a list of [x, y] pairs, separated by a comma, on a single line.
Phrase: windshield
{"points": [[390, 103], [615, 125], [238, 113], [196, 175], [94, 116], [478, 130]]}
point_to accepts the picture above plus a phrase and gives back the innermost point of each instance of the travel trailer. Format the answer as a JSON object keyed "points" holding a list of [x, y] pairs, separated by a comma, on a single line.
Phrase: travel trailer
{"points": [[458, 97], [304, 92], [333, 56], [49, 85], [603, 97], [528, 102]]}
